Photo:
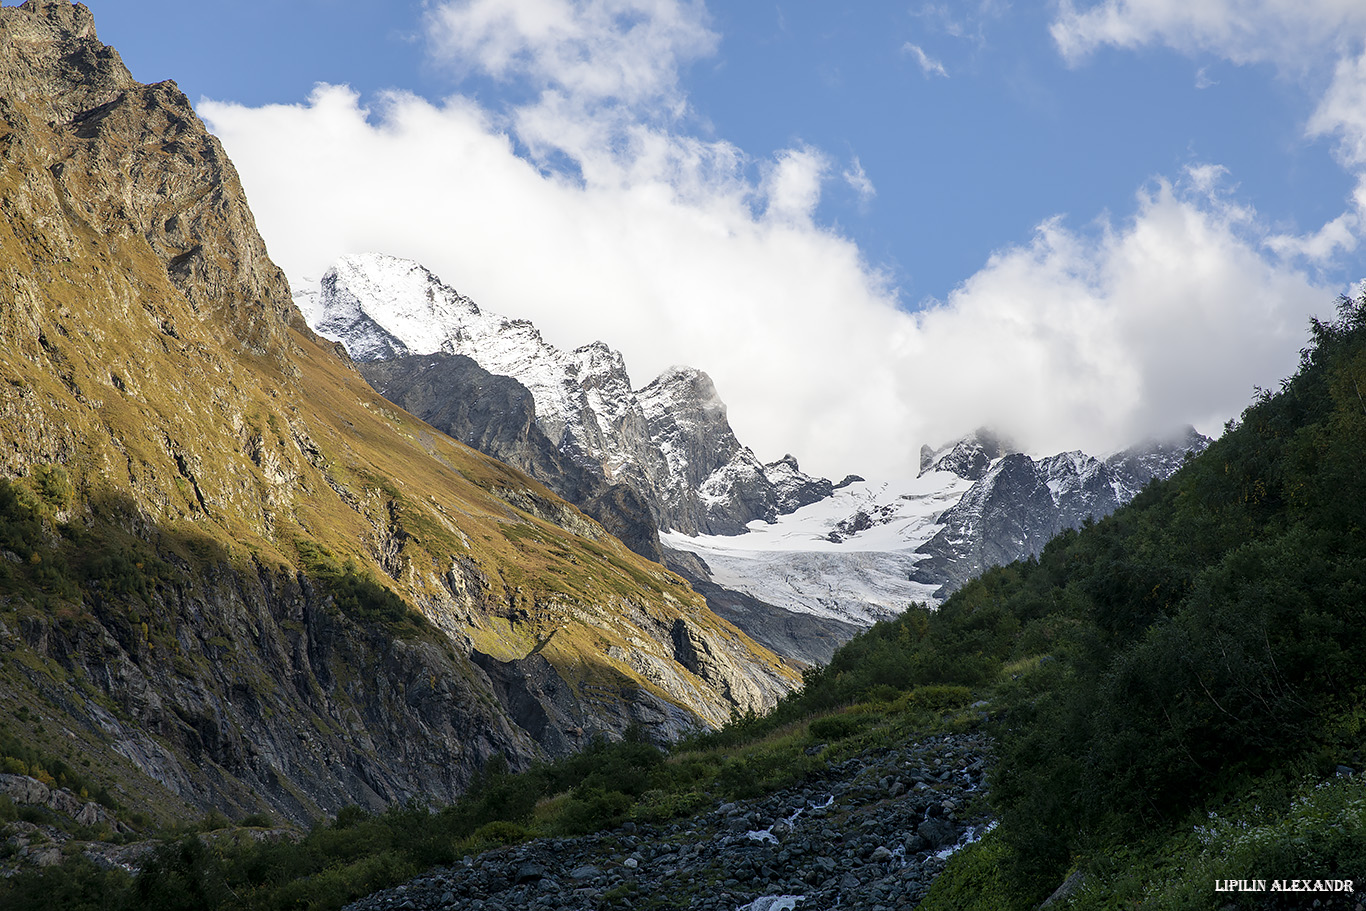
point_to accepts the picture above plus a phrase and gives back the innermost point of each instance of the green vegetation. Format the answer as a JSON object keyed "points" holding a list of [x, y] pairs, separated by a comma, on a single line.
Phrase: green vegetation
{"points": [[1201, 645], [356, 593], [1171, 691], [52, 562], [20, 758], [359, 852]]}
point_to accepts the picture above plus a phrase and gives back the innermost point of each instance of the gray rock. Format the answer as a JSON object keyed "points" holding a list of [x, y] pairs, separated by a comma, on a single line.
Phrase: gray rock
{"points": [[1069, 885], [1018, 504], [687, 855], [937, 833], [497, 415]]}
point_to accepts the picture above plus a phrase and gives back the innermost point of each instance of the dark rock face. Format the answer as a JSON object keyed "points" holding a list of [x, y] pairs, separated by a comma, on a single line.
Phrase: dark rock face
{"points": [[246, 716], [793, 488], [714, 484], [497, 416], [1008, 513], [1018, 504]]}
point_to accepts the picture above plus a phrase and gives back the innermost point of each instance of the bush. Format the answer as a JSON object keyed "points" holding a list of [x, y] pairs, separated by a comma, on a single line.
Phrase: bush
{"points": [[838, 727], [491, 835], [53, 485], [355, 593], [591, 809], [974, 880]]}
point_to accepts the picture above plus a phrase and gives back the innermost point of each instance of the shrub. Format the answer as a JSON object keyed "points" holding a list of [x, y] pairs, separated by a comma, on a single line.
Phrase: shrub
{"points": [[838, 727], [53, 485]]}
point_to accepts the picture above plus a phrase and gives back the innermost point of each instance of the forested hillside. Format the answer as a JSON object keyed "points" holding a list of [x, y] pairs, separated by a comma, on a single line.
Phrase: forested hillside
{"points": [[1196, 654]]}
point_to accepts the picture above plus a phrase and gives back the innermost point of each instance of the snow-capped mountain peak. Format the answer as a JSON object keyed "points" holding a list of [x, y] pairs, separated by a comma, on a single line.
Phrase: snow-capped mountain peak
{"points": [[670, 440], [968, 457]]}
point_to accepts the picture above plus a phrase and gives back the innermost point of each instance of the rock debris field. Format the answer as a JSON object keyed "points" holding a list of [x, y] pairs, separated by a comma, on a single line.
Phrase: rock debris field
{"points": [[870, 833]]}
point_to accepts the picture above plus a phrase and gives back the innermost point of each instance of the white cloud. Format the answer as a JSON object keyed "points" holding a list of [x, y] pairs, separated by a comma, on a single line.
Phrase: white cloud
{"points": [[681, 250], [1085, 338], [859, 181], [1285, 32], [1100, 337], [793, 184], [625, 50], [673, 261], [928, 65], [1342, 111], [1299, 37]]}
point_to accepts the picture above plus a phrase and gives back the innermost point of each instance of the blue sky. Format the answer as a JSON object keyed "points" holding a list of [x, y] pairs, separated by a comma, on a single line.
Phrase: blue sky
{"points": [[877, 225]]}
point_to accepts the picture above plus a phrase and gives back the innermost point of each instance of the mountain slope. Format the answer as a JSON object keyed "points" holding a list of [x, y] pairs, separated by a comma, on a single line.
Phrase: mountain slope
{"points": [[209, 514], [670, 441], [783, 555], [1017, 504], [497, 415]]}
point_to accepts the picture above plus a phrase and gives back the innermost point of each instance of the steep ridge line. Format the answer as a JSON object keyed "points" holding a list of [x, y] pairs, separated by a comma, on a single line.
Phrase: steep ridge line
{"points": [[210, 514]]}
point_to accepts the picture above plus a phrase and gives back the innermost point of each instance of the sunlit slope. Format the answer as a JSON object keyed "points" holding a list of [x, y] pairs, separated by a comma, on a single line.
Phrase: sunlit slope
{"points": [[159, 391]]}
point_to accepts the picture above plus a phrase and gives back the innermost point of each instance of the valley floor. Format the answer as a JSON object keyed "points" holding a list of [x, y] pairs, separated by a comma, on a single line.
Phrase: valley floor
{"points": [[871, 832]]}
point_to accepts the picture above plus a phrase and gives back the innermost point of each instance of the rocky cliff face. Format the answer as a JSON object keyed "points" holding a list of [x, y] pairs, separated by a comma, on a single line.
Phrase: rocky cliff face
{"points": [[794, 488], [137, 156], [497, 416], [669, 443], [232, 574], [711, 483], [264, 698], [1017, 503], [969, 457]]}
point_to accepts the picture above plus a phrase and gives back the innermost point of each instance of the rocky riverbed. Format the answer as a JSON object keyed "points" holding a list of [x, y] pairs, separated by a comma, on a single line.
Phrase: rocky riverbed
{"points": [[870, 833]]}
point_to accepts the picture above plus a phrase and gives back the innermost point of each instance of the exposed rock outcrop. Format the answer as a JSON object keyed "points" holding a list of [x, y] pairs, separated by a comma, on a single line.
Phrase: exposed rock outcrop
{"points": [[968, 457], [1018, 504], [497, 415]]}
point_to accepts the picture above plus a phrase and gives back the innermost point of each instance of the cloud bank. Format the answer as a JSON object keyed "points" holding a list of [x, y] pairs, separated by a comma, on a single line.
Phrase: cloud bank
{"points": [[593, 210]]}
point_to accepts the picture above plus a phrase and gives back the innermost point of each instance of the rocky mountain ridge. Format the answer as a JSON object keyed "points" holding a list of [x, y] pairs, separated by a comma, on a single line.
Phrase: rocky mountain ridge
{"points": [[669, 441], [663, 458], [1017, 503], [871, 548], [231, 574]]}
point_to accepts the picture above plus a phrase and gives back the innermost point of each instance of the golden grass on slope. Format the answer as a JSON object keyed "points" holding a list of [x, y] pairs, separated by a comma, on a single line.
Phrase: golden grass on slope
{"points": [[106, 368]]}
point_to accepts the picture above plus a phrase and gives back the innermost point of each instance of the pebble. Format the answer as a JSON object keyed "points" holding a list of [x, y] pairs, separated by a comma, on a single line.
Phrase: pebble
{"points": [[873, 846]]}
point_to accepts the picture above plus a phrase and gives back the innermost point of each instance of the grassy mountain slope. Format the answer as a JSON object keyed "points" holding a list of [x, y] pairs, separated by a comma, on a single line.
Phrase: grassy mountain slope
{"points": [[233, 576]]}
